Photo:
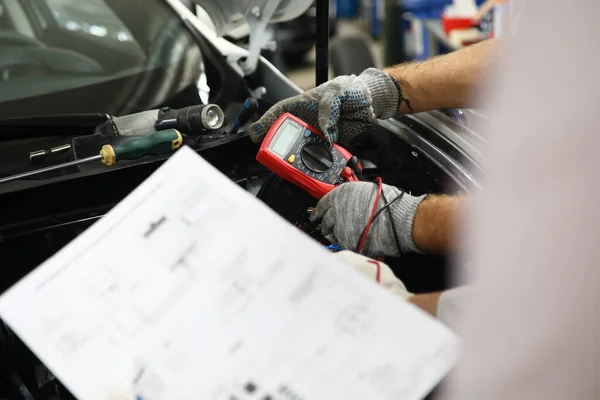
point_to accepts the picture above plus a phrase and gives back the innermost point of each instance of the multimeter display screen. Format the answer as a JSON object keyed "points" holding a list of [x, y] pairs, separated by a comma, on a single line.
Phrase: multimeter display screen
{"points": [[285, 138]]}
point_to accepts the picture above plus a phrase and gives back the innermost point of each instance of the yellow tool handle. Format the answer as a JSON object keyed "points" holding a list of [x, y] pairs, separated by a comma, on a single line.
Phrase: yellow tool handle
{"points": [[157, 143]]}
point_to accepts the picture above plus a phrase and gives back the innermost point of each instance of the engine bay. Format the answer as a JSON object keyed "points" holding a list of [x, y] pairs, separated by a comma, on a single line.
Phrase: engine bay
{"points": [[46, 215]]}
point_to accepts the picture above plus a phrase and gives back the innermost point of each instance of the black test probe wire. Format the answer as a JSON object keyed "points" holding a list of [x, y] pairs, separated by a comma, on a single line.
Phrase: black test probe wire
{"points": [[375, 214], [353, 163]]}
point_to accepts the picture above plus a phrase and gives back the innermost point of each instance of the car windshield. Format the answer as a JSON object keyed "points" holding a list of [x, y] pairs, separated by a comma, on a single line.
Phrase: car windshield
{"points": [[108, 56]]}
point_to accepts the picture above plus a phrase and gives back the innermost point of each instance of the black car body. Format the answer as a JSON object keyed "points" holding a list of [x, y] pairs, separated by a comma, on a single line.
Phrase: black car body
{"points": [[170, 59]]}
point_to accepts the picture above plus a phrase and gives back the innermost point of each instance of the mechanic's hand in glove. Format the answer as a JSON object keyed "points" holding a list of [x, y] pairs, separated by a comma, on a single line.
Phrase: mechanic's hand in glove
{"points": [[371, 269], [345, 212], [340, 108]]}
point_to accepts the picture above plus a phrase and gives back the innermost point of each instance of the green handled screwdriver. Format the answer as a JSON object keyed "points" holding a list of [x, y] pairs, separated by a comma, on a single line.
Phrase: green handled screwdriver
{"points": [[157, 143]]}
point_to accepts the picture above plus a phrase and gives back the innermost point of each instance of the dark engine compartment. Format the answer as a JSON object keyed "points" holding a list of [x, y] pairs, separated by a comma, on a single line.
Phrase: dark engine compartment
{"points": [[37, 222]]}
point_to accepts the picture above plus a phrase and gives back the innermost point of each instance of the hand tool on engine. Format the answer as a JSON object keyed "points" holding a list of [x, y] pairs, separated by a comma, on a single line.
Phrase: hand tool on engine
{"points": [[299, 154], [158, 143], [248, 109], [193, 120]]}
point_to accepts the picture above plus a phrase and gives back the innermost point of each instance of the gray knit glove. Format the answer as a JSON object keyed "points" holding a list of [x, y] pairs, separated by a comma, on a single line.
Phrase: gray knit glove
{"points": [[345, 212], [340, 108]]}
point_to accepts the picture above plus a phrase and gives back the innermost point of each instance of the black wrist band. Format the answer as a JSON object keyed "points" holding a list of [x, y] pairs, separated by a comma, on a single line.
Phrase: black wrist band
{"points": [[400, 96]]}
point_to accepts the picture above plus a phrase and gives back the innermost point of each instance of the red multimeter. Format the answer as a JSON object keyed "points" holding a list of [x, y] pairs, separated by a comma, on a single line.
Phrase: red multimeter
{"points": [[299, 154]]}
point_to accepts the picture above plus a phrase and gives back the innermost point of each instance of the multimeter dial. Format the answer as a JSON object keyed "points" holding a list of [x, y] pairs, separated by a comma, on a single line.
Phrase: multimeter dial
{"points": [[299, 154], [316, 157]]}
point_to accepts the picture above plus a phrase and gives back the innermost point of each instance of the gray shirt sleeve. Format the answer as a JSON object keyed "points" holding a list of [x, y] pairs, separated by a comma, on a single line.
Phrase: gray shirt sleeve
{"points": [[450, 306], [531, 326]]}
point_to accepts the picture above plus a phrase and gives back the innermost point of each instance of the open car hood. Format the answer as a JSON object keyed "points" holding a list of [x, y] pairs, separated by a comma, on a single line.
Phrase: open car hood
{"points": [[230, 15]]}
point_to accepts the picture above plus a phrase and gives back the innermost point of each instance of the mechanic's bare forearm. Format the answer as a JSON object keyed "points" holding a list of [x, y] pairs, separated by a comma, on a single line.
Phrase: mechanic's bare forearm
{"points": [[447, 81], [427, 302], [435, 223]]}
